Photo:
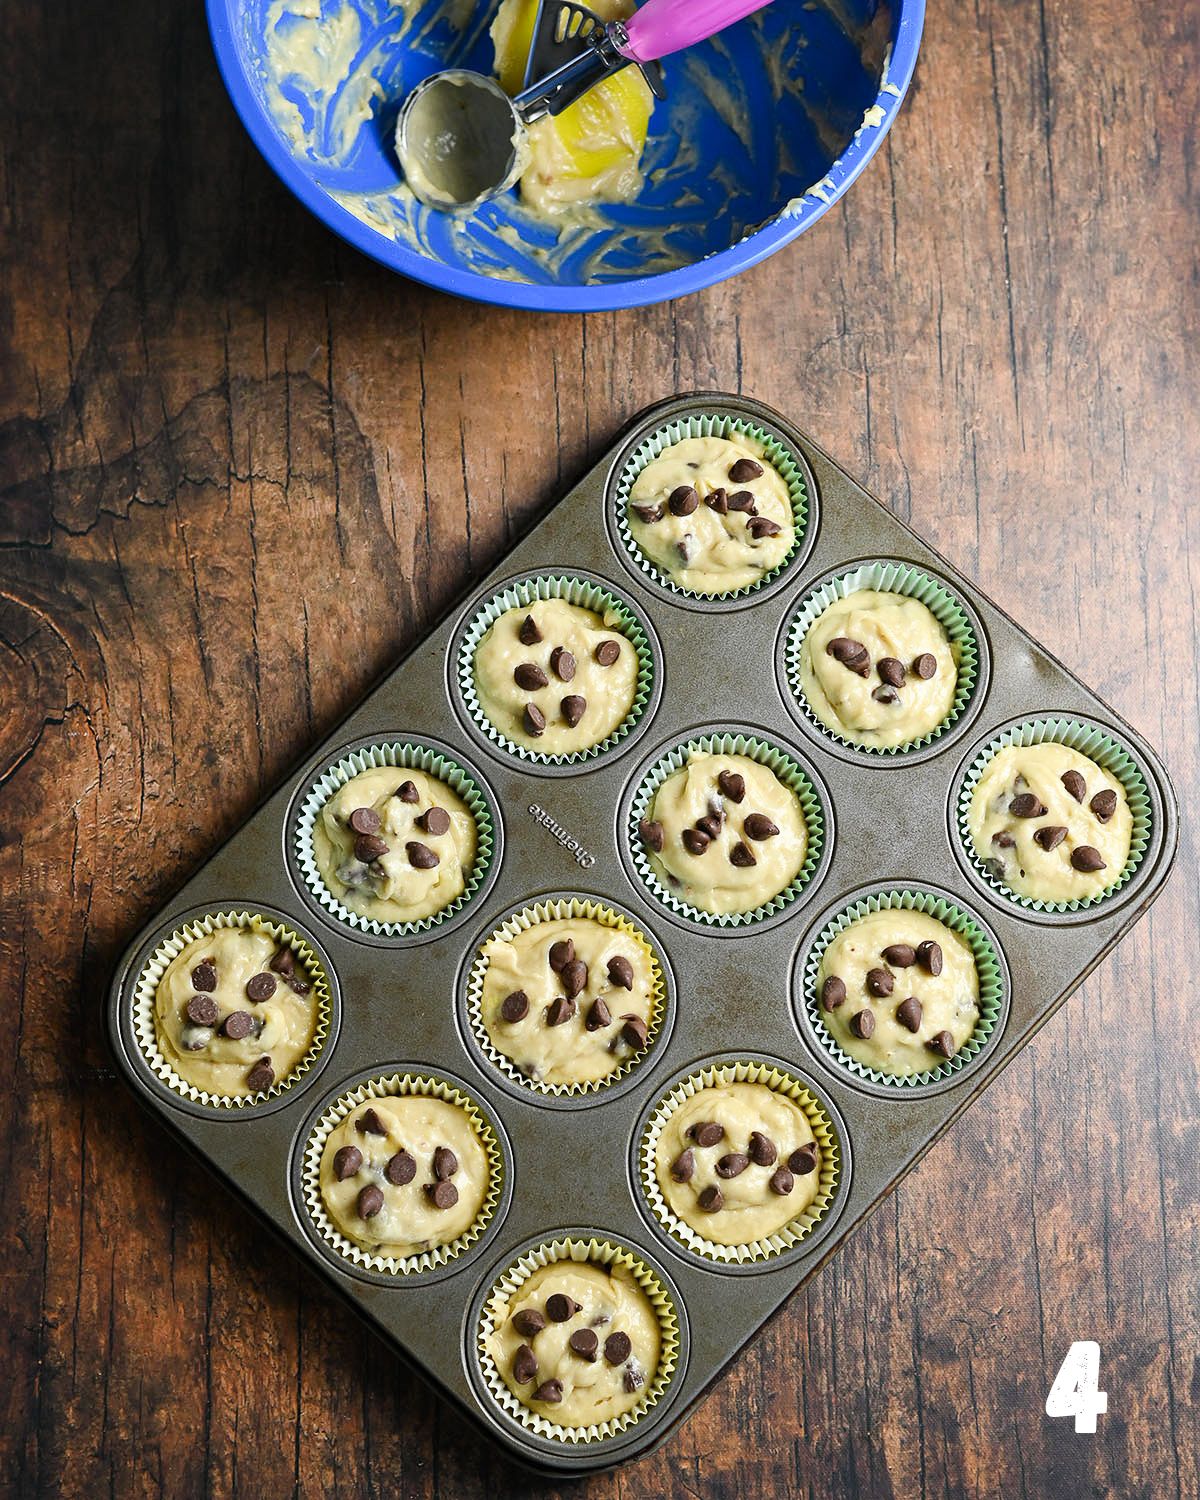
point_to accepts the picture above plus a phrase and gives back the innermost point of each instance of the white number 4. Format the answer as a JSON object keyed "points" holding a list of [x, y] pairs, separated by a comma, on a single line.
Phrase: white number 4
{"points": [[1075, 1390]]}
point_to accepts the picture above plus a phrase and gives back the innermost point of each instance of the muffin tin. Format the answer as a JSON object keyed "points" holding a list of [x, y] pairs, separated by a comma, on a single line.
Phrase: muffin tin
{"points": [[571, 1162]]}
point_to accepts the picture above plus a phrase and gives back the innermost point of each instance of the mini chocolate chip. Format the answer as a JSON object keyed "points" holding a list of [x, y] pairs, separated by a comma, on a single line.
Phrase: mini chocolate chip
{"points": [[204, 976], [707, 1133], [712, 1200], [442, 1195], [346, 1162], [718, 500], [574, 977], [694, 841], [761, 526], [803, 1159], [683, 1168], [634, 1032], [562, 663], [617, 1348], [401, 1169], [925, 665], [620, 971], [929, 956], [237, 1025], [529, 677], [260, 987], [900, 955], [885, 694], [550, 1392], [262, 1075], [741, 500], [1026, 805], [407, 792], [763, 1150], [435, 820], [732, 785], [863, 1025], [833, 992], [1074, 784], [283, 962], [573, 709], [683, 501], [598, 1017], [758, 826], [370, 1201], [782, 1182], [607, 652], [633, 1379], [202, 1009], [529, 634], [648, 514], [1104, 804], [1004, 840], [651, 834], [534, 720], [880, 982], [585, 1344], [942, 1044], [560, 1308], [853, 655], [524, 1365], [1050, 835], [745, 469], [1087, 859], [890, 671], [514, 1007], [369, 847], [742, 856], [364, 820], [561, 954], [908, 1013], [445, 1163], [560, 1011], [421, 856], [369, 1123], [709, 824], [528, 1322]]}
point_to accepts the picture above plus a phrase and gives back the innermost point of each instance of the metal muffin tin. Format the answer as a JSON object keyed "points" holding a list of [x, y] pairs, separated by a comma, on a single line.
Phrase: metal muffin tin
{"points": [[730, 991]]}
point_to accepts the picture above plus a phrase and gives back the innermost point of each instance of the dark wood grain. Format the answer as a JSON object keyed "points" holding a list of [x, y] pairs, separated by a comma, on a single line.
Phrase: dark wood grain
{"points": [[241, 468]]}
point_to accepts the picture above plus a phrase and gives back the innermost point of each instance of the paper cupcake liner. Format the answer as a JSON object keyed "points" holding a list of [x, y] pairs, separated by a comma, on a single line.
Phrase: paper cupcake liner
{"points": [[992, 985], [712, 424], [792, 1233], [145, 1031], [393, 1086], [596, 1251], [525, 592], [891, 578], [409, 757], [789, 772], [1097, 744], [551, 911]]}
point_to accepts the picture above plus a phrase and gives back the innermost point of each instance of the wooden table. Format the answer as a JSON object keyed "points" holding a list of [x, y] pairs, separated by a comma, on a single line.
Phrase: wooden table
{"points": [[235, 461]]}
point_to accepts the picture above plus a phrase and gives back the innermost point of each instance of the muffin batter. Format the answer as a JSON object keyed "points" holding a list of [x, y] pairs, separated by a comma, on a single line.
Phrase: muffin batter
{"points": [[234, 1012], [899, 992], [712, 514], [555, 677], [395, 845], [738, 1161], [724, 834], [568, 1000], [578, 1342], [1050, 823], [878, 669], [403, 1175]]}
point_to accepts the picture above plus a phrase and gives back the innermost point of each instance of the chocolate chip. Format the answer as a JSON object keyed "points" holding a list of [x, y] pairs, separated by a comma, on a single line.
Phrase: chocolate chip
{"points": [[421, 856], [562, 663], [683, 501], [524, 1365], [260, 987], [732, 1164], [853, 655], [782, 1182], [929, 956], [442, 1195], [745, 469], [885, 694], [561, 954], [202, 1009], [942, 1044], [364, 820], [598, 1017], [634, 1379], [369, 847], [694, 841], [550, 1392], [529, 634], [686, 548], [648, 514], [763, 1150], [803, 1159], [407, 792], [445, 1163], [573, 709], [401, 1169], [560, 1011], [283, 962], [718, 500], [863, 1025], [607, 652], [651, 834], [534, 720], [742, 856], [900, 955], [617, 1348], [585, 1344], [1004, 840], [1074, 784], [732, 785], [370, 1201], [620, 971], [528, 1322], [1026, 805], [908, 1013], [574, 977], [346, 1162], [1104, 804], [683, 1168], [1087, 859], [634, 1032], [369, 1123], [707, 1133], [925, 665], [833, 992], [1050, 835], [890, 671], [237, 1025], [741, 500], [514, 1007], [761, 526], [195, 1038], [712, 1200], [880, 982], [709, 825], [204, 976], [529, 677], [435, 820], [261, 1076], [560, 1308], [758, 826]]}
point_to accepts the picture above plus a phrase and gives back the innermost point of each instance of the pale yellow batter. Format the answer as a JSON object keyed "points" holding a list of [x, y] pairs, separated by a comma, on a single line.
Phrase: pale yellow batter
{"points": [[724, 834], [738, 1161], [702, 515], [897, 687], [561, 1023], [404, 1174], [555, 677], [234, 1012], [1052, 824], [595, 1364], [410, 854], [882, 1002]]}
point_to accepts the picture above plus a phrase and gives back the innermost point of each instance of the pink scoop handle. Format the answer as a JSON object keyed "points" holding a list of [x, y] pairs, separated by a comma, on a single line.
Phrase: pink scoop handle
{"points": [[661, 27]]}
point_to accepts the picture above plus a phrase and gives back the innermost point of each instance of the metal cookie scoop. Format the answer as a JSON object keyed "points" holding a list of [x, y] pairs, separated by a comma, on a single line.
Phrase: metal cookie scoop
{"points": [[461, 139]]}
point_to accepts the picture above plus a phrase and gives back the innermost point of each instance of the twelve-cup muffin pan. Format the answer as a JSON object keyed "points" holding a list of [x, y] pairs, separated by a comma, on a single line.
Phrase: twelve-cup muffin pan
{"points": [[734, 999]]}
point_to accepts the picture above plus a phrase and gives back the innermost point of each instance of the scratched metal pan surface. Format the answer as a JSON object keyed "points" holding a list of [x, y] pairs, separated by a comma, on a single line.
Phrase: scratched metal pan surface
{"points": [[730, 992]]}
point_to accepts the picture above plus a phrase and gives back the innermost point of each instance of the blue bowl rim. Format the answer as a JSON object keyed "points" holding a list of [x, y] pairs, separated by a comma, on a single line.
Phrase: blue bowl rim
{"points": [[639, 291]]}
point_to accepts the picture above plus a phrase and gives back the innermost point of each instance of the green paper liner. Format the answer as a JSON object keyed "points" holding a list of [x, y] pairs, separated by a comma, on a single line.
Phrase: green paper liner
{"points": [[712, 424], [988, 968], [797, 1230], [145, 1030], [1098, 745], [602, 1252], [891, 578], [407, 756], [393, 1086], [783, 766], [550, 911], [522, 594]]}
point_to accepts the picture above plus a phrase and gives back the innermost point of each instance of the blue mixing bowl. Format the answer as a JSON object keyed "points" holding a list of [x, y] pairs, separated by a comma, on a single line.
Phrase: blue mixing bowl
{"points": [[764, 127]]}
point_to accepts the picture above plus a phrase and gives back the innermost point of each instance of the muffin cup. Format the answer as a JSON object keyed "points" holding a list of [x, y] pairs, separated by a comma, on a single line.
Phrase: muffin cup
{"points": [[792, 1234], [814, 806], [586, 593], [1088, 739], [993, 985], [583, 1251], [409, 756], [145, 1032], [550, 911], [893, 578], [784, 459], [392, 1086]]}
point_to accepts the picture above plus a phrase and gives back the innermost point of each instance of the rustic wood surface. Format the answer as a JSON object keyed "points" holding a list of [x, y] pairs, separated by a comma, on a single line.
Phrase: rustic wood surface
{"points": [[241, 469]]}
